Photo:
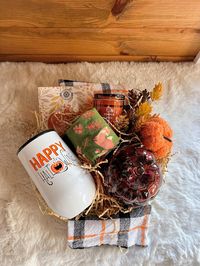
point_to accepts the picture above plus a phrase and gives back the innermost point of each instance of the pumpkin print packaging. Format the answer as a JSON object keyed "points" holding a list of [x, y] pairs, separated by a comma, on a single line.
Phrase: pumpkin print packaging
{"points": [[60, 105], [92, 136]]}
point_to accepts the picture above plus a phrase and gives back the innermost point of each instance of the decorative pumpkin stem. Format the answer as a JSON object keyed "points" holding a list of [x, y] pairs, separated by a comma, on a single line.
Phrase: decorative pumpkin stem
{"points": [[167, 139]]}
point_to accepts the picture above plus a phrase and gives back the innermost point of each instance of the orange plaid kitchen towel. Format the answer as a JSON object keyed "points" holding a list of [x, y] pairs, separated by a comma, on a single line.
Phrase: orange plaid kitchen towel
{"points": [[124, 230]]}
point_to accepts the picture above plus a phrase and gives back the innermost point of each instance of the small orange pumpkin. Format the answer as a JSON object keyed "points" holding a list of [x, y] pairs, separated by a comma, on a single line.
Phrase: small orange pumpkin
{"points": [[156, 136], [57, 167]]}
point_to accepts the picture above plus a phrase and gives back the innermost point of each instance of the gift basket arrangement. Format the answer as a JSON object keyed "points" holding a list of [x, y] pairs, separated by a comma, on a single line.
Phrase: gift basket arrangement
{"points": [[98, 159]]}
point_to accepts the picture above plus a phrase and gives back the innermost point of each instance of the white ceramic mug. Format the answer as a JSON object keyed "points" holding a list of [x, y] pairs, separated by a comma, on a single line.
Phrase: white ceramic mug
{"points": [[65, 186]]}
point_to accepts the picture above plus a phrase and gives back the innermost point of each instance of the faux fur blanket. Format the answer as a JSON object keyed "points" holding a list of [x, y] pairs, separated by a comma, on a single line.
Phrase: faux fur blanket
{"points": [[27, 237]]}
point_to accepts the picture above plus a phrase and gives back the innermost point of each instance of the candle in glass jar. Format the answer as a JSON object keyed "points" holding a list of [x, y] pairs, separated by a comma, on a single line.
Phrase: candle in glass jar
{"points": [[110, 106]]}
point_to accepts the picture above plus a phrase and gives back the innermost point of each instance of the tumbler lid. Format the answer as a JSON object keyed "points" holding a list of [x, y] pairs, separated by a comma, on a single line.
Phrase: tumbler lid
{"points": [[34, 137]]}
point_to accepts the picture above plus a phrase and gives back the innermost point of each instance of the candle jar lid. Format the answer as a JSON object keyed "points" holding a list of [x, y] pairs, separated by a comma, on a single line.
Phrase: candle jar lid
{"points": [[109, 95]]}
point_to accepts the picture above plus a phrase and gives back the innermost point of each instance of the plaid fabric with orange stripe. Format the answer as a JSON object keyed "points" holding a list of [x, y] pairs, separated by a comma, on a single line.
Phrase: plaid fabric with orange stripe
{"points": [[124, 230]]}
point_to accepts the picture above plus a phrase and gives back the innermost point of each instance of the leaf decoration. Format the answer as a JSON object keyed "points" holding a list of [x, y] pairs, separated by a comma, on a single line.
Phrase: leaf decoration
{"points": [[157, 92], [55, 98], [52, 110], [144, 109], [53, 103]]}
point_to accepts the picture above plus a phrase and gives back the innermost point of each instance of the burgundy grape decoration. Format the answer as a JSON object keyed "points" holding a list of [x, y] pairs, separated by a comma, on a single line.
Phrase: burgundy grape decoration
{"points": [[133, 176]]}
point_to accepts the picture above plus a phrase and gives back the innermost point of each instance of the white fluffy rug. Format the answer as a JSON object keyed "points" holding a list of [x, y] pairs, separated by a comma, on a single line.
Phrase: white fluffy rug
{"points": [[29, 238]]}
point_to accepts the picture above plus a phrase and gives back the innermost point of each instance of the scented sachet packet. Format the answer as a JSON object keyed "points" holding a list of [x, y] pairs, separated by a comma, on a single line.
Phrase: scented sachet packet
{"points": [[92, 136]]}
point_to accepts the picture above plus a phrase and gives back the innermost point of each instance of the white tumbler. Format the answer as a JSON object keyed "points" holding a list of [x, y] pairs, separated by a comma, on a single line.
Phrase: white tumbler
{"points": [[67, 188]]}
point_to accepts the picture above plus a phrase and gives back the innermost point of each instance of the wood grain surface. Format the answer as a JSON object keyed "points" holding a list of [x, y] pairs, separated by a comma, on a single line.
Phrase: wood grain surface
{"points": [[103, 30]]}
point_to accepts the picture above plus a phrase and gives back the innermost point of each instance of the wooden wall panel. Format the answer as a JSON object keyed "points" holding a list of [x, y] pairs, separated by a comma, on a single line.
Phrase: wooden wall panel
{"points": [[100, 42], [97, 13], [65, 30]]}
